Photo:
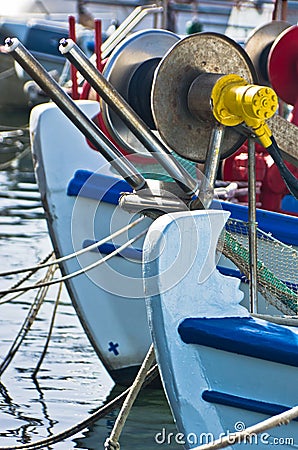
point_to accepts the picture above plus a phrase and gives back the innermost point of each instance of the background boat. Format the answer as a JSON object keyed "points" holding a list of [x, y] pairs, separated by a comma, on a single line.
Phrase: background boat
{"points": [[41, 24]]}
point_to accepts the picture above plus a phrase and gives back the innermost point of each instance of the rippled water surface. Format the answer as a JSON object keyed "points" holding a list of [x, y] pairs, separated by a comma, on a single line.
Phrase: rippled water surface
{"points": [[71, 382]]}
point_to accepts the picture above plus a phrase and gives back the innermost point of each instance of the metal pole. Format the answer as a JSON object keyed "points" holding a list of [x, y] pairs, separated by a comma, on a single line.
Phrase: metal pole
{"points": [[206, 192], [74, 113], [127, 26], [253, 257], [165, 5], [109, 94], [73, 70], [98, 43]]}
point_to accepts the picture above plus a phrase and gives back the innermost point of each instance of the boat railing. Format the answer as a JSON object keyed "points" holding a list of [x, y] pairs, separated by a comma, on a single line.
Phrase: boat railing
{"points": [[132, 20]]}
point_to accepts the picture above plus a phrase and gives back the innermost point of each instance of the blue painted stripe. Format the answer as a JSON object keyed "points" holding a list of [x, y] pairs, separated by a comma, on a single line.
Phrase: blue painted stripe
{"points": [[245, 336], [228, 271], [137, 253], [97, 186], [283, 227], [108, 248], [106, 188], [248, 404]]}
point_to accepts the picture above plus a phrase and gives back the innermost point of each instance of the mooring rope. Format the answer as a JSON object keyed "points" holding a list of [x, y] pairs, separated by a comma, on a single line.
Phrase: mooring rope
{"points": [[244, 436], [78, 272], [69, 432], [16, 158], [290, 321], [31, 316], [112, 442], [34, 374], [78, 253], [25, 278]]}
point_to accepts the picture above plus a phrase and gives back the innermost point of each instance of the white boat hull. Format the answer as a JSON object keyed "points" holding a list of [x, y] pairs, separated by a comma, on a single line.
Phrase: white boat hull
{"points": [[222, 370], [109, 300]]}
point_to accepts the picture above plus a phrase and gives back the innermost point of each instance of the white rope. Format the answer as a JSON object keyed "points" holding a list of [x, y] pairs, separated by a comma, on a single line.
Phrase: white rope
{"points": [[26, 326], [18, 157], [112, 442], [290, 321], [22, 280], [78, 272], [49, 335], [78, 253], [240, 436]]}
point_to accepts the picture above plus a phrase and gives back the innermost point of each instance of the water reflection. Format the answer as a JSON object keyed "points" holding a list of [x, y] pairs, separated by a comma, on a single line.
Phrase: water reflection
{"points": [[71, 383], [143, 429]]}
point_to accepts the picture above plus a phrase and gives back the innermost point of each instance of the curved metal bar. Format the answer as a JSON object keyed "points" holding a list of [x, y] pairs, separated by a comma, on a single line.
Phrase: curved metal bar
{"points": [[127, 26], [161, 153]]}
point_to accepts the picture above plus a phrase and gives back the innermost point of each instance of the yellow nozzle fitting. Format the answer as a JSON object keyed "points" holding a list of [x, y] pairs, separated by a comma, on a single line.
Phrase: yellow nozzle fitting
{"points": [[235, 101]]}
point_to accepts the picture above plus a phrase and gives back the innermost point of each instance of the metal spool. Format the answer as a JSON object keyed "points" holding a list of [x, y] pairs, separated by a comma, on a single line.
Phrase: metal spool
{"points": [[130, 70], [185, 130], [283, 65], [259, 44]]}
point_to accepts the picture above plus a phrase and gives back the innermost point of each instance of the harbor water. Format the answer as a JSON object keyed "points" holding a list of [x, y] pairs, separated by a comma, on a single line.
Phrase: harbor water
{"points": [[71, 382]]}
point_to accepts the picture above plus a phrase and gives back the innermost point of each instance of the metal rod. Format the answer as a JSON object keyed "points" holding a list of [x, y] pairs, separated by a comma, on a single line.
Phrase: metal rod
{"points": [[74, 113], [126, 27], [253, 256], [98, 43], [134, 203], [109, 94], [73, 70], [206, 192]]}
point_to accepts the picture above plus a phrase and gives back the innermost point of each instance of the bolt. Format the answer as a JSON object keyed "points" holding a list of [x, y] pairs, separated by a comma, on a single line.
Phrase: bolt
{"points": [[8, 41], [224, 113], [63, 42]]}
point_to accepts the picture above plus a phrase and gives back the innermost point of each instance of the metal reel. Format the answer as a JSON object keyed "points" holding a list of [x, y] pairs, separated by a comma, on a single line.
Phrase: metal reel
{"points": [[130, 70], [259, 43], [203, 53]]}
